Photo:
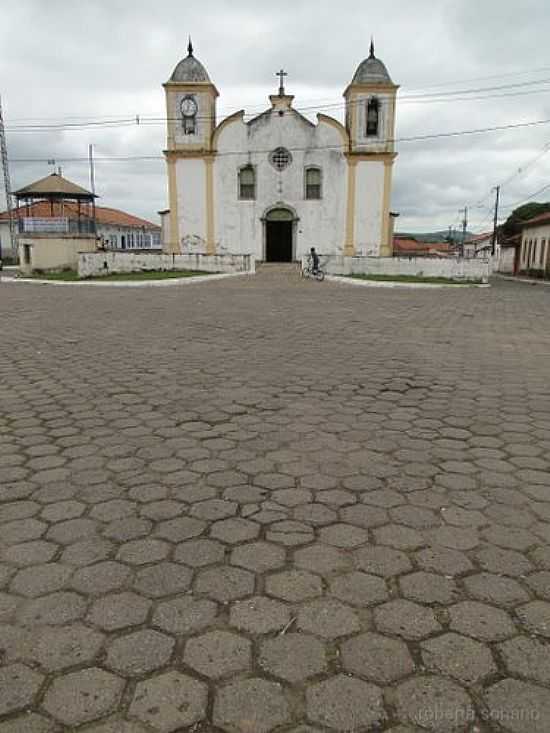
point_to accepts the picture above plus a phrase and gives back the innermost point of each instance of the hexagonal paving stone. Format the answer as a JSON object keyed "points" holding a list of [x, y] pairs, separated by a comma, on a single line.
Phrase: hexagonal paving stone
{"points": [[18, 686], [328, 618], [294, 585], [116, 726], [180, 529], [54, 609], [481, 621], [443, 560], [218, 654], [185, 615], [59, 648], [345, 704], [377, 658], [87, 552], [293, 657], [323, 559], [359, 589], [407, 619], [528, 658], [343, 535], [428, 588], [101, 578], [536, 617], [170, 702], [259, 556], [458, 656], [213, 509], [254, 705], [118, 611], [29, 723], [495, 589], [139, 653], [199, 553], [30, 553], [399, 536], [519, 707], [225, 583], [234, 530], [39, 580], [259, 615], [382, 561], [80, 697], [434, 703], [163, 579], [141, 552]]}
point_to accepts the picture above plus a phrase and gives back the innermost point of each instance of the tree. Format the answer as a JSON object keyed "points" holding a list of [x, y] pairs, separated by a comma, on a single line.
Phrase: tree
{"points": [[512, 225]]}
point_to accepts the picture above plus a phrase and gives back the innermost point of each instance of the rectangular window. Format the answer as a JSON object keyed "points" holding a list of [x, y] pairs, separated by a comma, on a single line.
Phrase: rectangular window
{"points": [[247, 183], [313, 183], [542, 252], [373, 117]]}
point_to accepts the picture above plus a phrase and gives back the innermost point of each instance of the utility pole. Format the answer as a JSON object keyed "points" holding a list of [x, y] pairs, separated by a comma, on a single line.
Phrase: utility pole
{"points": [[7, 185], [495, 223], [92, 172], [464, 226]]}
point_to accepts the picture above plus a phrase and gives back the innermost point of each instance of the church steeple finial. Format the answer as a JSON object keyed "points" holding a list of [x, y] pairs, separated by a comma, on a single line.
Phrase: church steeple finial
{"points": [[190, 47], [371, 54]]}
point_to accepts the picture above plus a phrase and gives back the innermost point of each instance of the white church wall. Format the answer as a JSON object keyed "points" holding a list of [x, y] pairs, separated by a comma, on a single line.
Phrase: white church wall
{"points": [[369, 194], [238, 224], [104, 263], [453, 268], [191, 179]]}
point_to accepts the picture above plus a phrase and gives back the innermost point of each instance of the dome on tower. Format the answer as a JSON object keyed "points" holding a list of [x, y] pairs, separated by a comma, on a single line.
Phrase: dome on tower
{"points": [[371, 71], [190, 69]]}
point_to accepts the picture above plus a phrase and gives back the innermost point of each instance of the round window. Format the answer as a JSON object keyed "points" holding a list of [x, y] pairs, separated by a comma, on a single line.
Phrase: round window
{"points": [[280, 158]]}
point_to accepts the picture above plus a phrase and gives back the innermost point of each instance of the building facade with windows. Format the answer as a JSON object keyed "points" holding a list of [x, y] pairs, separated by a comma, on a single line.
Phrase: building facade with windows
{"points": [[277, 184], [534, 257]]}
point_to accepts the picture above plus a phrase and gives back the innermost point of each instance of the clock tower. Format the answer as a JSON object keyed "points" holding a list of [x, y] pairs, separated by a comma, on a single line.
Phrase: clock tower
{"points": [[191, 121]]}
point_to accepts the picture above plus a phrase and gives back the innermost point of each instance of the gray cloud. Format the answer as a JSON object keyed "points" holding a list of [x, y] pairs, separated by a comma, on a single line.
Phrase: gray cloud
{"points": [[108, 59]]}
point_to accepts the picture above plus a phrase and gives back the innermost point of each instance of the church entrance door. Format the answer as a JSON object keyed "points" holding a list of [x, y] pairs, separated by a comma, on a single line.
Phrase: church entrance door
{"points": [[279, 228]]}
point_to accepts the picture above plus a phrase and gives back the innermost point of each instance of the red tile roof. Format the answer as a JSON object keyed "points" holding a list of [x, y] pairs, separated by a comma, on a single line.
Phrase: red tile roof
{"points": [[103, 214], [404, 245]]}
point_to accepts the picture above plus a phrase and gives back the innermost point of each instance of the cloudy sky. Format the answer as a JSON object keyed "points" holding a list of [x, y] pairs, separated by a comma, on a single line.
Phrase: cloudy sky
{"points": [[461, 64]]}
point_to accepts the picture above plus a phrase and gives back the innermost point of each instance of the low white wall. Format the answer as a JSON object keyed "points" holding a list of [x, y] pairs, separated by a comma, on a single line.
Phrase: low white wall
{"points": [[104, 263], [455, 269]]}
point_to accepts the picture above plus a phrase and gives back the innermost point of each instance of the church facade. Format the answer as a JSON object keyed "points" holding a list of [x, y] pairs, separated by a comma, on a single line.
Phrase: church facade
{"points": [[276, 185]]}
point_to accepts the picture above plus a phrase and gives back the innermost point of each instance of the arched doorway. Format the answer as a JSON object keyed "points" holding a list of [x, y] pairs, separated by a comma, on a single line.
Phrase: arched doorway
{"points": [[279, 235]]}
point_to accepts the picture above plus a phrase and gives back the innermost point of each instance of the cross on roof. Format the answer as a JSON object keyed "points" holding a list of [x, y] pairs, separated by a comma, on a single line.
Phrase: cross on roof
{"points": [[281, 74]]}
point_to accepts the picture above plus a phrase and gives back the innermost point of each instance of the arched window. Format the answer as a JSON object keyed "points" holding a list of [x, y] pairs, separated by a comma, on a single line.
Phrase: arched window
{"points": [[313, 183], [373, 117], [247, 183]]}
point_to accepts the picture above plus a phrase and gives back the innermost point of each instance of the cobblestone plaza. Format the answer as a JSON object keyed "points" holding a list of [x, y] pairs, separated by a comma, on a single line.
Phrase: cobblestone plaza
{"points": [[262, 504]]}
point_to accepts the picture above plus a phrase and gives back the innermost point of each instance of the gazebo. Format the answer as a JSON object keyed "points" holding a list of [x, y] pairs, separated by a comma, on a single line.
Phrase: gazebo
{"points": [[55, 205], [56, 222]]}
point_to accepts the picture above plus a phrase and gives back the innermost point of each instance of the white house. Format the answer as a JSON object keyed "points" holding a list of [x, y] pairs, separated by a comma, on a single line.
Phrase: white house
{"points": [[275, 185], [535, 246]]}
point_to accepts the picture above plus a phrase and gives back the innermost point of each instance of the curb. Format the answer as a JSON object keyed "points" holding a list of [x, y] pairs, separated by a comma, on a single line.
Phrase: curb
{"points": [[395, 284], [129, 284]]}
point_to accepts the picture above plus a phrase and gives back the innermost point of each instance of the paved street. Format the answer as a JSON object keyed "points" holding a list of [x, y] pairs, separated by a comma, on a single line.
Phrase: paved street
{"points": [[263, 504]]}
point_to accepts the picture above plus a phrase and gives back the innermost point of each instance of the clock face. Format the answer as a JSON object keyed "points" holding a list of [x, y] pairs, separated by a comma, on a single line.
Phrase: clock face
{"points": [[188, 107]]}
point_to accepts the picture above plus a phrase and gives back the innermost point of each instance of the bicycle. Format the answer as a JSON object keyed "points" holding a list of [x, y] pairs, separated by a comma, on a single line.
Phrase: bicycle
{"points": [[309, 272]]}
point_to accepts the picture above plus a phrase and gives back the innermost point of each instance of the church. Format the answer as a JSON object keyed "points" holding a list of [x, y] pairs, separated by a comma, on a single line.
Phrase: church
{"points": [[275, 185]]}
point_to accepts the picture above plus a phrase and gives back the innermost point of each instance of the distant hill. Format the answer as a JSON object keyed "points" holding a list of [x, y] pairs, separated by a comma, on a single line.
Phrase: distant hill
{"points": [[433, 236]]}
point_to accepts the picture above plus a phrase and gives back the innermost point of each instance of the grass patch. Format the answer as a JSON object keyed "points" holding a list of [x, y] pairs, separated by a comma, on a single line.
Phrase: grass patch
{"points": [[414, 279], [71, 276]]}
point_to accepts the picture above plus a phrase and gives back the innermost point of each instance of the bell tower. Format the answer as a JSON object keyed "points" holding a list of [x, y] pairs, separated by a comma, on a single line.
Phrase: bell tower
{"points": [[370, 122], [370, 107], [190, 106], [191, 121]]}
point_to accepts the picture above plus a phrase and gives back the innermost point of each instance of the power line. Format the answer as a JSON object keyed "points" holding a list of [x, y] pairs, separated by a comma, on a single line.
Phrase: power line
{"points": [[412, 138]]}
